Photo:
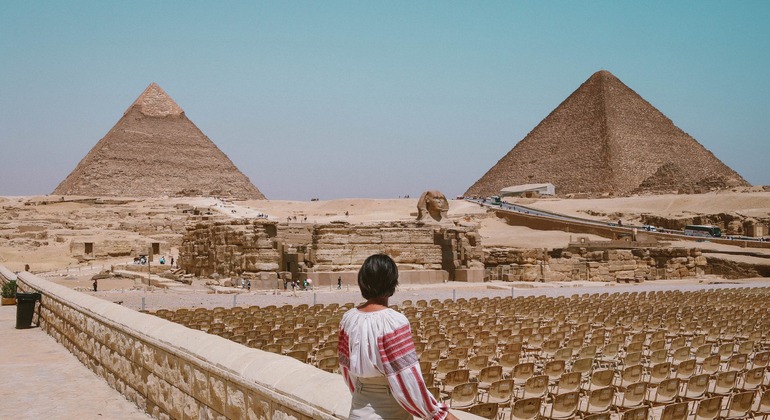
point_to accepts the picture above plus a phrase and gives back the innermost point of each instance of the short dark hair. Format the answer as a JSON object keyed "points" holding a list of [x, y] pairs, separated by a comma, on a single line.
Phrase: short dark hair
{"points": [[378, 277]]}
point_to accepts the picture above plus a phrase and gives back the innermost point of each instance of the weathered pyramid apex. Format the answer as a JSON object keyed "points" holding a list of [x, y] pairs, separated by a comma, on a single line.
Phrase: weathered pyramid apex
{"points": [[155, 102]]}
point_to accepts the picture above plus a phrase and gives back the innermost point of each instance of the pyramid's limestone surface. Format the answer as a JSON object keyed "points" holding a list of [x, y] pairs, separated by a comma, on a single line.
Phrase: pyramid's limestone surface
{"points": [[154, 151], [605, 138]]}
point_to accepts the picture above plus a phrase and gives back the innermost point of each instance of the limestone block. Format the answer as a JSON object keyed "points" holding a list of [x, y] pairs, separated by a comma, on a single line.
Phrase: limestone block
{"points": [[236, 401], [200, 385], [530, 273], [257, 407], [218, 393], [469, 275]]}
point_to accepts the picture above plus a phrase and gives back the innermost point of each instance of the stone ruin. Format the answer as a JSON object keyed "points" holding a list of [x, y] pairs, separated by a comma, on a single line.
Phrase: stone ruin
{"points": [[271, 251]]}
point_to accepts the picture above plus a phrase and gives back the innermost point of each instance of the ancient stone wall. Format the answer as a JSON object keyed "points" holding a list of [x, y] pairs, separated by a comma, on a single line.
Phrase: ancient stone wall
{"points": [[229, 247], [174, 372], [243, 248], [348, 245], [609, 265]]}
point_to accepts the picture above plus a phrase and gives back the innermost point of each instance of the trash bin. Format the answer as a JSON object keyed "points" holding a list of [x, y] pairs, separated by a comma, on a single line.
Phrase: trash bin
{"points": [[25, 308]]}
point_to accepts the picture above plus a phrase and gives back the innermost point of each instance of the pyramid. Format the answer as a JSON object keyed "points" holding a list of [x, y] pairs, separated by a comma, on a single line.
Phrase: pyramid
{"points": [[605, 138], [155, 151]]}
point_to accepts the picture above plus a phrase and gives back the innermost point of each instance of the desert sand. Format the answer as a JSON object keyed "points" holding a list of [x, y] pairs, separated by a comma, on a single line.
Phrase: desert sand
{"points": [[55, 223]]}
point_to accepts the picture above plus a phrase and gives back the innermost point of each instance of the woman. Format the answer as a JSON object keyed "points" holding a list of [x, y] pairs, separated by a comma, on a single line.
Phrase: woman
{"points": [[377, 355]]}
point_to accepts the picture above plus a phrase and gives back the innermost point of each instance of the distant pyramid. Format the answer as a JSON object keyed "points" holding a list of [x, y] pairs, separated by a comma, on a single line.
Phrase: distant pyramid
{"points": [[605, 138], [154, 151]]}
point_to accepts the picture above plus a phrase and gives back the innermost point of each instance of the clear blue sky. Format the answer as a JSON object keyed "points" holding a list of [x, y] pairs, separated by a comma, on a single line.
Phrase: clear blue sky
{"points": [[370, 98]]}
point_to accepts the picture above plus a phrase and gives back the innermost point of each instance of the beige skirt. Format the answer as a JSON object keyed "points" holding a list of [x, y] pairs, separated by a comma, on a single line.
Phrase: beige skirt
{"points": [[373, 400]]}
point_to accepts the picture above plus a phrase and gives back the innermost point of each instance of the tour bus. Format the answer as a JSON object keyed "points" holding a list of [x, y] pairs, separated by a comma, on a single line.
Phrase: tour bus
{"points": [[496, 200], [703, 230]]}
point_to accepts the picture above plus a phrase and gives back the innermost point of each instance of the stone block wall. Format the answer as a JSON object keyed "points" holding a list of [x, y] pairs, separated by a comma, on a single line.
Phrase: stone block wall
{"points": [[608, 265], [347, 246], [173, 372], [229, 247]]}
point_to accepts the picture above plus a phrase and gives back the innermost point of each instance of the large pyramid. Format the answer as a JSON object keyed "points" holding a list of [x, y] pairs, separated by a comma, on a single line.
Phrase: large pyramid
{"points": [[154, 151], [605, 138]]}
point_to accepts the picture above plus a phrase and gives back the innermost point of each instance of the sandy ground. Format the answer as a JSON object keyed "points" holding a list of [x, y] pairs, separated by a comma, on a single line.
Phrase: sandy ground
{"points": [[67, 221]]}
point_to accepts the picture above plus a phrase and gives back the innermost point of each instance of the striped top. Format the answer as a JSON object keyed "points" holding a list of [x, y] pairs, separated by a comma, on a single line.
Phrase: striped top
{"points": [[380, 343]]}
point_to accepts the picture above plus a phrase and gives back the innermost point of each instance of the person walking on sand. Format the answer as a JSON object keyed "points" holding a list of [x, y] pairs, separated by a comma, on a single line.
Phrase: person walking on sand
{"points": [[377, 356], [95, 285], [339, 282]]}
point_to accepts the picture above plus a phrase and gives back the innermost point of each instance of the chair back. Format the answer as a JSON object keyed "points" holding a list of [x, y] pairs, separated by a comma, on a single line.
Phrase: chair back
{"points": [[641, 413], [600, 400], [686, 369], [536, 386], [565, 405], [634, 395], [696, 386], [485, 410], [463, 395], [740, 404], [708, 409], [711, 364], [678, 411], [569, 382], [526, 409]]}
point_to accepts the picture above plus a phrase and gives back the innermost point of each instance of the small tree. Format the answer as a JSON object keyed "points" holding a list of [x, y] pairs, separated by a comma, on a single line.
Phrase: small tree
{"points": [[9, 289]]}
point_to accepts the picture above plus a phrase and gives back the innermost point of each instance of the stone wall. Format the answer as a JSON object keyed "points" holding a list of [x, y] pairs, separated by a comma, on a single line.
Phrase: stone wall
{"points": [[254, 248], [229, 247], [608, 265], [173, 372], [347, 246]]}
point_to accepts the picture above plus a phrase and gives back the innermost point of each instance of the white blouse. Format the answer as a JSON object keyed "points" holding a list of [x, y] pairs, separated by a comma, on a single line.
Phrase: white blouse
{"points": [[373, 344]]}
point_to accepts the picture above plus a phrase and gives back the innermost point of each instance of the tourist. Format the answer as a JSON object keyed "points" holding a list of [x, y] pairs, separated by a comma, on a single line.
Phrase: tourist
{"points": [[95, 285], [339, 282], [172, 262], [377, 355]]}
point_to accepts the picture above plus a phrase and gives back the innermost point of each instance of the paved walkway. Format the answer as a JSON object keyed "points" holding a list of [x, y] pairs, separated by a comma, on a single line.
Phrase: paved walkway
{"points": [[41, 379]]}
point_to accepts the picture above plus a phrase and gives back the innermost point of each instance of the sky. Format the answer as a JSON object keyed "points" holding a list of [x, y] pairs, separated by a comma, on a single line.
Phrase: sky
{"points": [[370, 99]]}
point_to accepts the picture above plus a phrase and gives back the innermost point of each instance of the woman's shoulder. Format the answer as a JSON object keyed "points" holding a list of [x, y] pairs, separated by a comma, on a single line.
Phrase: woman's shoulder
{"points": [[387, 315]]}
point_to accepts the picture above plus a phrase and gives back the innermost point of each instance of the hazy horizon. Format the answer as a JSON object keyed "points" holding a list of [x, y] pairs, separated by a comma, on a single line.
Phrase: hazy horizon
{"points": [[370, 100]]}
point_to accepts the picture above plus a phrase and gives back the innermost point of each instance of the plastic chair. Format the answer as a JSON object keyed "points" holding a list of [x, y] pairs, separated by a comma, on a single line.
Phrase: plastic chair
{"points": [[484, 410], [569, 382], [599, 379], [522, 372], [752, 379], [708, 409], [678, 411], [500, 392], [724, 383], [453, 379], [685, 369], [696, 387], [554, 369], [526, 409], [641, 413], [564, 406], [599, 401], [739, 406], [535, 387], [444, 366], [634, 396], [659, 373], [711, 364], [630, 375], [463, 395], [665, 393], [329, 364], [488, 375], [763, 409]]}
